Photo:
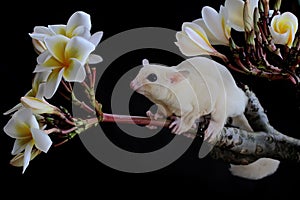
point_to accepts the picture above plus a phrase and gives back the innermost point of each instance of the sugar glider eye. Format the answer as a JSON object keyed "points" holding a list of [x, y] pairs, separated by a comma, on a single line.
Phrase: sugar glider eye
{"points": [[152, 77]]}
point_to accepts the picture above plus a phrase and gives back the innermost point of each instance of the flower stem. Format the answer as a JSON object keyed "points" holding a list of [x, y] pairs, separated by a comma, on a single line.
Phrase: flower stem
{"points": [[94, 76], [89, 75], [126, 119], [82, 104]]}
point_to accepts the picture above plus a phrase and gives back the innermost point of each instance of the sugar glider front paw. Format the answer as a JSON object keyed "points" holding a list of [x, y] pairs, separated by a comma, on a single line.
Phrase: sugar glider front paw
{"points": [[155, 116], [212, 131]]}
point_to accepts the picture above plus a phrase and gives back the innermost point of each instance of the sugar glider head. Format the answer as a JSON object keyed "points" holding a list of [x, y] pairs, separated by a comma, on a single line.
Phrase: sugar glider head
{"points": [[157, 81]]}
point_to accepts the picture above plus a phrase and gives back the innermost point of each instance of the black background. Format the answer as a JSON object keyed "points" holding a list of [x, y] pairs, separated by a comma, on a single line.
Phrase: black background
{"points": [[71, 166]]}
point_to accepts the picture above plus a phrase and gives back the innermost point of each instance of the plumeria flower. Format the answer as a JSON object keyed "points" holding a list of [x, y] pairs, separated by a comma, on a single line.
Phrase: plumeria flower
{"points": [[79, 24], [65, 58], [283, 28], [193, 41], [215, 25], [24, 127], [37, 91], [234, 9]]}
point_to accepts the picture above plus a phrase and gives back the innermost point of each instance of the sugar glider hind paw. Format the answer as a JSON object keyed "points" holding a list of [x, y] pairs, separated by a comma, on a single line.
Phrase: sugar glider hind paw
{"points": [[212, 132], [177, 126]]}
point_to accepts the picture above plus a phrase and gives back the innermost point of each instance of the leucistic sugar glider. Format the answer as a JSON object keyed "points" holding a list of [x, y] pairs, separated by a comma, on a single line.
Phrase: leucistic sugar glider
{"points": [[196, 87]]}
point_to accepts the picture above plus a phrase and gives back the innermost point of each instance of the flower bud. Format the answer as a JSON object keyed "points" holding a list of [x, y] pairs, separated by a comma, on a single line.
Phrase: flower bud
{"points": [[247, 18], [38, 106]]}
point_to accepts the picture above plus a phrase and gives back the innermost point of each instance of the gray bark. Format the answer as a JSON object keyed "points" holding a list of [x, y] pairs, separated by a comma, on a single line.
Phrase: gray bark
{"points": [[238, 146]]}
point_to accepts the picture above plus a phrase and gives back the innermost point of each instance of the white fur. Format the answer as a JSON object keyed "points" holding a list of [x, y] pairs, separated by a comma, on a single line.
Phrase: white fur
{"points": [[257, 170]]}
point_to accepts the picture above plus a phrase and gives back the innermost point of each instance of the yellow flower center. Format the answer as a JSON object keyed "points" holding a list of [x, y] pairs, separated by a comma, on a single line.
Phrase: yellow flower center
{"points": [[282, 27], [23, 129]]}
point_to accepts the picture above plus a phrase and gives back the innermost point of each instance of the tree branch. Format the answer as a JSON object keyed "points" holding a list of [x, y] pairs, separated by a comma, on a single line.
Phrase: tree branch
{"points": [[237, 146]]}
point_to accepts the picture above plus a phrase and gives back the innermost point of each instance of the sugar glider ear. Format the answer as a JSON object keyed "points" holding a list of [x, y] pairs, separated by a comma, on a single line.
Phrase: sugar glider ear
{"points": [[178, 76], [145, 62]]}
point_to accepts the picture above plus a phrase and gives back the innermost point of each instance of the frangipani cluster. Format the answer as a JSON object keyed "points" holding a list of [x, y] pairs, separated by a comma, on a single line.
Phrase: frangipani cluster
{"points": [[253, 17], [63, 50], [214, 27]]}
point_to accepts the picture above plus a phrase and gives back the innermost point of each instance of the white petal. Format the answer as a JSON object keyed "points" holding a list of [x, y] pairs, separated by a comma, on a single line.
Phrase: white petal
{"points": [[40, 77], [94, 59], [27, 156], [41, 69], [199, 39], [224, 22], [274, 22], [79, 48], [187, 46], [15, 108], [41, 139], [53, 82], [252, 5], [56, 45], [291, 18], [41, 91], [75, 72], [32, 121], [40, 32], [198, 30], [213, 40], [25, 115], [81, 31], [43, 57], [79, 18], [58, 29], [38, 36], [235, 14], [19, 145], [96, 37], [213, 22]]}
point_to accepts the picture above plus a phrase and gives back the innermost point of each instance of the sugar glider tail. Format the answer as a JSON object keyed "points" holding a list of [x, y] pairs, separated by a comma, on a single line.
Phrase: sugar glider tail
{"points": [[257, 170]]}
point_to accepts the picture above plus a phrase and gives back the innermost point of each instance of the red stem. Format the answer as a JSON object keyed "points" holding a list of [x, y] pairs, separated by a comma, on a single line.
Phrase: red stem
{"points": [[126, 119], [89, 74], [93, 77], [67, 87]]}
